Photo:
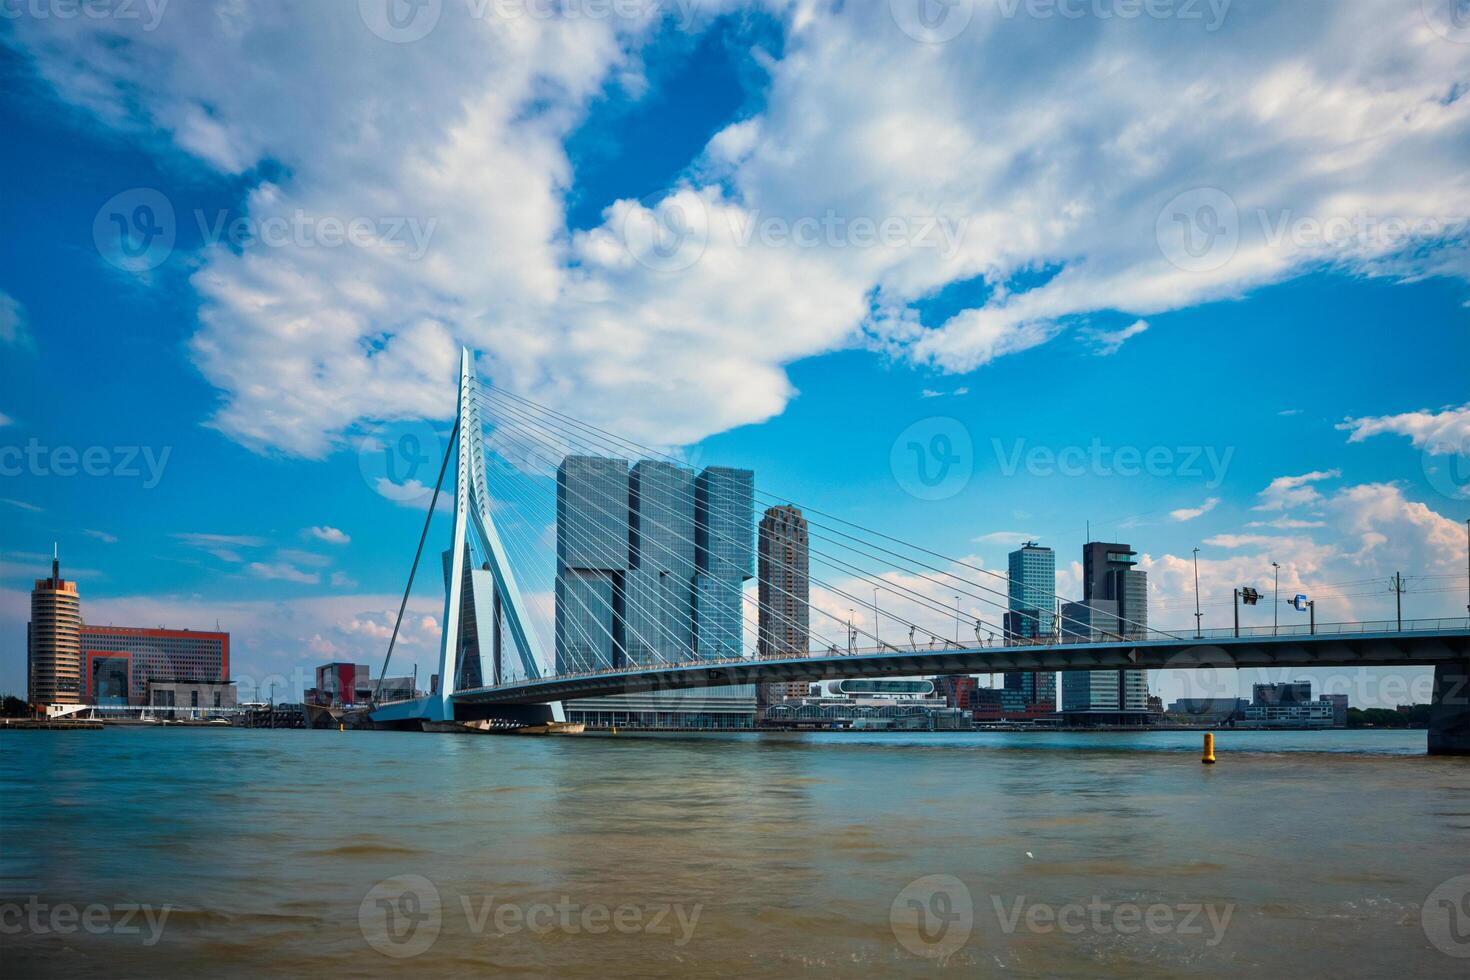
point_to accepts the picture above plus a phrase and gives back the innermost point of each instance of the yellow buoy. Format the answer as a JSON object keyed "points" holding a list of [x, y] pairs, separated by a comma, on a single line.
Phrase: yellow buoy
{"points": [[1209, 756], [341, 726]]}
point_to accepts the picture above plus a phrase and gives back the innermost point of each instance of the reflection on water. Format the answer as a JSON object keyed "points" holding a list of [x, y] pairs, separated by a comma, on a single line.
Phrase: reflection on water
{"points": [[1029, 855]]}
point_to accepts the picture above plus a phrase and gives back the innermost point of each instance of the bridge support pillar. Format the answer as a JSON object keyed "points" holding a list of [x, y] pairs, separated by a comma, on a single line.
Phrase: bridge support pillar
{"points": [[1449, 714]]}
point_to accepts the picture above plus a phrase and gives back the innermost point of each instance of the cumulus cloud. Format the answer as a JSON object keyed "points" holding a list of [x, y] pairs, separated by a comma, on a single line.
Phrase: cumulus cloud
{"points": [[1190, 513], [878, 171], [1294, 491], [1442, 433], [330, 535]]}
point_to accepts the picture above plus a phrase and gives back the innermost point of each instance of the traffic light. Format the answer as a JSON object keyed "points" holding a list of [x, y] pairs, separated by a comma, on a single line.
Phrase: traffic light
{"points": [[1250, 596]]}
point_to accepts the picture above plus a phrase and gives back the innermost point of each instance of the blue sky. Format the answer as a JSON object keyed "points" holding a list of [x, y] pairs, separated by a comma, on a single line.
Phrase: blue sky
{"points": [[1301, 375]]}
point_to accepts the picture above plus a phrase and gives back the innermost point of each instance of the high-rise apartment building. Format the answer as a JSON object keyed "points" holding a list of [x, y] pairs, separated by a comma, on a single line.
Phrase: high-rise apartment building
{"points": [[1114, 606], [53, 641], [784, 589]]}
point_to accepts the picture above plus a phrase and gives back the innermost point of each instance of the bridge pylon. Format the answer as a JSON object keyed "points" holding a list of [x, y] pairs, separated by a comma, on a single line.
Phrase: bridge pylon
{"points": [[479, 599]]}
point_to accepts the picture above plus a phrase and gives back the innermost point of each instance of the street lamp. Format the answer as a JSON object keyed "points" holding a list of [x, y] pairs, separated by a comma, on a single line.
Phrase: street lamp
{"points": [[956, 620], [851, 632], [1197, 631], [1276, 600], [877, 632]]}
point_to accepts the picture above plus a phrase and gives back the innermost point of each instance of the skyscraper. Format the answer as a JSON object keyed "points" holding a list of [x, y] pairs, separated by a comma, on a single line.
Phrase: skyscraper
{"points": [[651, 566], [1031, 616], [1114, 606], [53, 641], [724, 506], [592, 541], [784, 584]]}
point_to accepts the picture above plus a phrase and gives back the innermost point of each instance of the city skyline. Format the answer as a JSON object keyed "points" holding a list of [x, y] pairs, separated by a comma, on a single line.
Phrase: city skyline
{"points": [[194, 469]]}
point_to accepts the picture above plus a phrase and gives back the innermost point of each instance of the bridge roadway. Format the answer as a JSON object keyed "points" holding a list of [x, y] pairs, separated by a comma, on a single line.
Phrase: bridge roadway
{"points": [[1424, 644]]}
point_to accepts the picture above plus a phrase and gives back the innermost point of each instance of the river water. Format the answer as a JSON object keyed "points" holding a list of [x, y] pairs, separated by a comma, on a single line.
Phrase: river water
{"points": [[235, 852]]}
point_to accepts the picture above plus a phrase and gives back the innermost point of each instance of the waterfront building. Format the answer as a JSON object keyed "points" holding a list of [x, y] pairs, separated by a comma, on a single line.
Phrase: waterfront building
{"points": [[1031, 617], [1114, 606], [122, 664], [651, 566], [957, 689], [1339, 704], [53, 641], [191, 694], [1289, 692], [341, 683], [870, 704], [1209, 710], [783, 579], [1307, 714]]}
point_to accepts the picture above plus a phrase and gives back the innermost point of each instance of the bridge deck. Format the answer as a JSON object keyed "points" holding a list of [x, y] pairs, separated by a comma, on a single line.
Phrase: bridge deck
{"points": [[1331, 646]]}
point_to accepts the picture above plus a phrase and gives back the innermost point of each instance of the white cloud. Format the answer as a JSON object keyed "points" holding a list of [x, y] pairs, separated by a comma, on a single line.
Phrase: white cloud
{"points": [[21, 505], [6, 420], [1190, 513], [282, 571], [1288, 412], [102, 536], [1294, 491], [330, 535], [1106, 343], [1069, 169], [1004, 538], [225, 547], [13, 327], [1442, 433]]}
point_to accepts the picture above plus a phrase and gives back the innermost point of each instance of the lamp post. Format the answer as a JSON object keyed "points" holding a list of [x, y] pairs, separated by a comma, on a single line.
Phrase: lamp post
{"points": [[956, 621], [851, 633], [1276, 599], [876, 631], [1197, 632]]}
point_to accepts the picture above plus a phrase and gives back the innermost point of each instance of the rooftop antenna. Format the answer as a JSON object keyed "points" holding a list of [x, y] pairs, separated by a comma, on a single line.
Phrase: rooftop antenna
{"points": [[55, 560]]}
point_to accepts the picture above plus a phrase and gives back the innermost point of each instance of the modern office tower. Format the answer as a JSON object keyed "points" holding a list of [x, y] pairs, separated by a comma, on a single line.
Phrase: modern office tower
{"points": [[1114, 606], [651, 566], [122, 665], [592, 541], [724, 504], [1032, 594], [1031, 616], [53, 641], [1038, 688], [784, 588]]}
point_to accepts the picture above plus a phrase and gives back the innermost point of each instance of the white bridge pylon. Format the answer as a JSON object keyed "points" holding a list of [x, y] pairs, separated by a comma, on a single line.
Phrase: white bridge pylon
{"points": [[479, 596]]}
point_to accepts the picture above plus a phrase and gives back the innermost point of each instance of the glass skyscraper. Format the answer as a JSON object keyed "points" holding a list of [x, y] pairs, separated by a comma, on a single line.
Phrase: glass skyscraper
{"points": [[1030, 616], [1114, 606], [651, 568]]}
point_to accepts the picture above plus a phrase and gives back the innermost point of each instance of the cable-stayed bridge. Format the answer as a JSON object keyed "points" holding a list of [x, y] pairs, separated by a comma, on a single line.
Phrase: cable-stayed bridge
{"points": [[584, 565]]}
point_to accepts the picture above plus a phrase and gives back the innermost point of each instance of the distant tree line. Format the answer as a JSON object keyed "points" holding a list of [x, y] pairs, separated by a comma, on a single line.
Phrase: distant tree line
{"points": [[13, 707], [1410, 716]]}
